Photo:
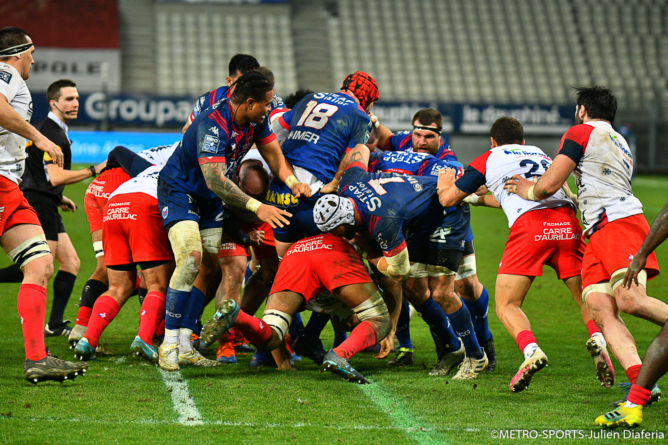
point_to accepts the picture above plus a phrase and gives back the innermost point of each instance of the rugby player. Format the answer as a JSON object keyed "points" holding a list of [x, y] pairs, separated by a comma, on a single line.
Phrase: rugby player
{"points": [[655, 362], [21, 235], [190, 189], [311, 266], [426, 138], [602, 164], [541, 233]]}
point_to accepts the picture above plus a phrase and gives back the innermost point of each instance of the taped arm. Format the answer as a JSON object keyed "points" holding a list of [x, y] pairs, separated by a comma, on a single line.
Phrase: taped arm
{"points": [[397, 266]]}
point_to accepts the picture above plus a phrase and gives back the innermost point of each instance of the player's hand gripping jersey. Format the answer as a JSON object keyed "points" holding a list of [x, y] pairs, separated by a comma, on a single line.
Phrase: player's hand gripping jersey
{"points": [[410, 163], [13, 146], [494, 167], [403, 211], [403, 141], [603, 174]]}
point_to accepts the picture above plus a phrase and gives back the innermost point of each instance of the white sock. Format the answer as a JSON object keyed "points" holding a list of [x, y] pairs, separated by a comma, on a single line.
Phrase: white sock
{"points": [[600, 337], [529, 350], [172, 335], [629, 405], [184, 340]]}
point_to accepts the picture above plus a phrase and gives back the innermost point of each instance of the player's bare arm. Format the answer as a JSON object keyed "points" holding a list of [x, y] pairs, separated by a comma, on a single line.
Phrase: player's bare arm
{"points": [[13, 122], [333, 185], [548, 184], [657, 234], [359, 154], [282, 170], [384, 134], [231, 194]]}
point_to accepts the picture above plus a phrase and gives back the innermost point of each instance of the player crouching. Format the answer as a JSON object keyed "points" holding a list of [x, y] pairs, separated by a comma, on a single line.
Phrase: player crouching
{"points": [[311, 266]]}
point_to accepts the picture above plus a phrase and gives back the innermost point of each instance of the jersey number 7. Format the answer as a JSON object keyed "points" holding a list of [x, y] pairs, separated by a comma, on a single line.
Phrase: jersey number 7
{"points": [[377, 184], [316, 115]]}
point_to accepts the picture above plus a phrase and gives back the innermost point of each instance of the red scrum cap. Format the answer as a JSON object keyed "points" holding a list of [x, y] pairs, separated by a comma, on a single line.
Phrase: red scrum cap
{"points": [[363, 86]]}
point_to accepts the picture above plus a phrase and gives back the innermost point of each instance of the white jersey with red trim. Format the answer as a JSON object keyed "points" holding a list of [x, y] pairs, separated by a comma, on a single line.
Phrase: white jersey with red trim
{"points": [[603, 173], [494, 167], [13, 146], [147, 181]]}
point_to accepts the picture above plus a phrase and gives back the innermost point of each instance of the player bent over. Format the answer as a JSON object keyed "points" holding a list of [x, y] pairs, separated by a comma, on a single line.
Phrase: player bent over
{"points": [[311, 266], [655, 363], [545, 233], [602, 164]]}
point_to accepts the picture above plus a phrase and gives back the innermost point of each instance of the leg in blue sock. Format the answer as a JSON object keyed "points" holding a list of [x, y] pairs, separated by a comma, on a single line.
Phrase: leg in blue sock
{"points": [[434, 316], [478, 310], [403, 326], [463, 326]]}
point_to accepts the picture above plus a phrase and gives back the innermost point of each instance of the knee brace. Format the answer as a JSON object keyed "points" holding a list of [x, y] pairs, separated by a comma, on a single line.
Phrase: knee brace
{"points": [[467, 268], [617, 278], [29, 250], [372, 307], [278, 321], [97, 247], [211, 239], [184, 236], [602, 288]]}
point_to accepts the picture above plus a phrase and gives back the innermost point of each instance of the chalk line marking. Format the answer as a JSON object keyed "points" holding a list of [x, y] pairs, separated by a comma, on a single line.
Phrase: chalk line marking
{"points": [[402, 416], [181, 398]]}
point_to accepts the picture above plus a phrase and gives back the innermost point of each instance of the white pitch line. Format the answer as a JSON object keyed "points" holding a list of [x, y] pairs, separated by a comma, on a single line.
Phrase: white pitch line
{"points": [[181, 398], [402, 416]]}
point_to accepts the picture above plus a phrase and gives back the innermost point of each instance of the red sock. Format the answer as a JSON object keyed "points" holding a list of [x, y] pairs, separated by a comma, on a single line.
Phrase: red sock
{"points": [[639, 395], [632, 373], [592, 328], [104, 310], [362, 337], [32, 308], [151, 313], [83, 316], [255, 330], [525, 338]]}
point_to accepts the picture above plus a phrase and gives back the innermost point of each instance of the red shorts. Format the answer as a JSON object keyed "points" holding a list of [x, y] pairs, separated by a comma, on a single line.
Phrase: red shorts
{"points": [[14, 208], [98, 192], [613, 247], [133, 231], [550, 237], [317, 264], [267, 249]]}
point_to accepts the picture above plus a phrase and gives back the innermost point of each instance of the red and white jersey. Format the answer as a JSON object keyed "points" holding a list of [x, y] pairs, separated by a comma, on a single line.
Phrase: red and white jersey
{"points": [[13, 146], [603, 173], [147, 181], [494, 167]]}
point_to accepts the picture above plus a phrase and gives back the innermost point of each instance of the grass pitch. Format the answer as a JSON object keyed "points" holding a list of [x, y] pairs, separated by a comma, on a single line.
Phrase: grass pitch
{"points": [[122, 399]]}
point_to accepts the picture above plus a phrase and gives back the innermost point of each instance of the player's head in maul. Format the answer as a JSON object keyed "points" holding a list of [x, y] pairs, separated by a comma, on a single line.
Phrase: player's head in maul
{"points": [[364, 87], [335, 215], [251, 98], [595, 103]]}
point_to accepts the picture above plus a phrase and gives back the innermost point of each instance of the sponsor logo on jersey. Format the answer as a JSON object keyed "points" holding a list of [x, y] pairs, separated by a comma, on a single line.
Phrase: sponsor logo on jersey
{"points": [[283, 199], [165, 212], [5, 76], [214, 130], [211, 144]]}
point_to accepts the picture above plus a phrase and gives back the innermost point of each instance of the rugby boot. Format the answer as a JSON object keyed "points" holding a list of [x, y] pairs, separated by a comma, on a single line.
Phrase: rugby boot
{"points": [[310, 348], [405, 357], [604, 370], [626, 387], [448, 360], [622, 416], [52, 368], [168, 356], [220, 323], [76, 334], [62, 330], [490, 352], [263, 359], [291, 353], [101, 351], [84, 351], [530, 366], [340, 366], [194, 341], [194, 358], [471, 367], [144, 350], [226, 352]]}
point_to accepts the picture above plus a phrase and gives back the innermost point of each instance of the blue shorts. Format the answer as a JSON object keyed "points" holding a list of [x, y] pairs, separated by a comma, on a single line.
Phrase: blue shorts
{"points": [[302, 224], [177, 206], [439, 246]]}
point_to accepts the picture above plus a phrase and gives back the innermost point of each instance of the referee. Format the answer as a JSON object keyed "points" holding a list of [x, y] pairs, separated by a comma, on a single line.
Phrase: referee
{"points": [[42, 185]]}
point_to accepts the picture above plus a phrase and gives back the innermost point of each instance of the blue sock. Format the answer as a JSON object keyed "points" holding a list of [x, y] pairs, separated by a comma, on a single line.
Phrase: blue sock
{"points": [[463, 326], [249, 272], [316, 323], [434, 316], [195, 305], [297, 326], [478, 310], [404, 326], [339, 337], [176, 302]]}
